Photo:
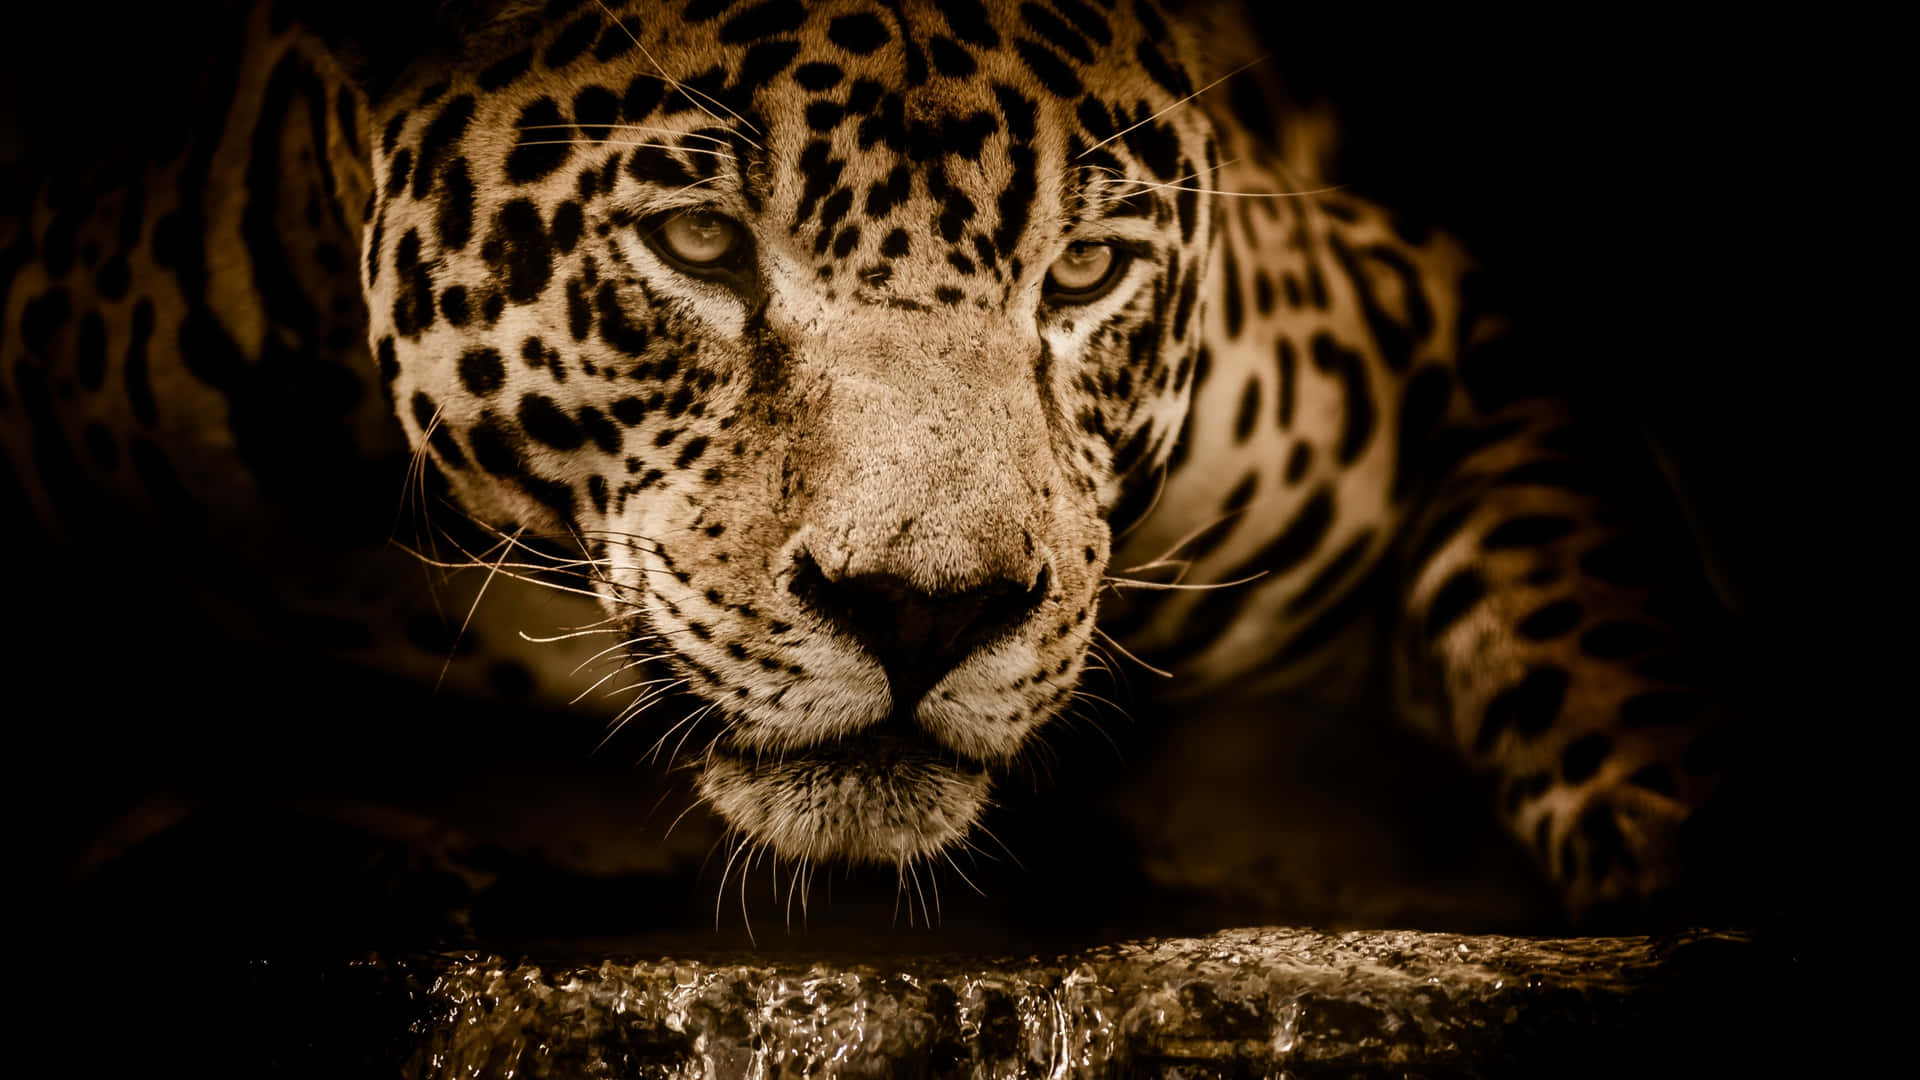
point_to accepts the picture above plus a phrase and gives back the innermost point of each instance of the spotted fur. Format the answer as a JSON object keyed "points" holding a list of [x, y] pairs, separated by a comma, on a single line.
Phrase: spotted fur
{"points": [[864, 491]]}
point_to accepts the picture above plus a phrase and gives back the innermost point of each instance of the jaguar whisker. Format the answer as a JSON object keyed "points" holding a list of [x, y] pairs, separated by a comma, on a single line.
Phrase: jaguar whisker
{"points": [[626, 715], [617, 142], [1119, 583], [1148, 184], [1130, 127], [1122, 649], [629, 127], [676, 84], [452, 649]]}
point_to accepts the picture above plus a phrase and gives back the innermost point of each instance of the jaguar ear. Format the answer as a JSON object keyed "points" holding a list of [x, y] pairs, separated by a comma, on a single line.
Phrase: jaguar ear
{"points": [[380, 41]]}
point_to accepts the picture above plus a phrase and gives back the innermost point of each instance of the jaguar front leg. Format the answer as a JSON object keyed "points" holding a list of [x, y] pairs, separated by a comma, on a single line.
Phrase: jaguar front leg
{"points": [[1550, 643]]}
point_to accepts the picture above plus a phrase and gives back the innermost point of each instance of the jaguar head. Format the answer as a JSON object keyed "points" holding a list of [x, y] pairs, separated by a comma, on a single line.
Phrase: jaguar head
{"points": [[831, 332]]}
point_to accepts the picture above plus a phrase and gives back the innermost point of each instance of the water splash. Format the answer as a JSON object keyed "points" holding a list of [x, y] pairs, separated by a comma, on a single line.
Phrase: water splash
{"points": [[1253, 1002]]}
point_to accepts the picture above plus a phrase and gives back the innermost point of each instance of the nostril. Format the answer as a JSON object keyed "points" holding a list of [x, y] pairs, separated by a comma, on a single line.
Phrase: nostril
{"points": [[917, 636], [1009, 604]]}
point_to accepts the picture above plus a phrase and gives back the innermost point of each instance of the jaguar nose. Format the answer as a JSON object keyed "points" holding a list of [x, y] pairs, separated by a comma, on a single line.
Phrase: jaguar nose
{"points": [[916, 636]]}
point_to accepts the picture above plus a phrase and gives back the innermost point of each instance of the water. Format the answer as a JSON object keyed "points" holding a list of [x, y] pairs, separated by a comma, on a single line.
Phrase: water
{"points": [[1258, 1002]]}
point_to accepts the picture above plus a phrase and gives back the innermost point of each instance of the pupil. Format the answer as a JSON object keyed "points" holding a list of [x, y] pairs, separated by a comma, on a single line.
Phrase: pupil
{"points": [[704, 234]]}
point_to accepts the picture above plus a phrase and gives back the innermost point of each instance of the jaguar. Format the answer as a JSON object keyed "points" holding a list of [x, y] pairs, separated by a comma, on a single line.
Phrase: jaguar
{"points": [[857, 374]]}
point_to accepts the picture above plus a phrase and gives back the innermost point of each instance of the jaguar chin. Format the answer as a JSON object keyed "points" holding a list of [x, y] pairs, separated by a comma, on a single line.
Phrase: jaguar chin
{"points": [[886, 798]]}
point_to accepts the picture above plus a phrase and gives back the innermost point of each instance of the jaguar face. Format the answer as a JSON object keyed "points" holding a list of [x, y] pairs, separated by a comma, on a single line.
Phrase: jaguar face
{"points": [[830, 332]]}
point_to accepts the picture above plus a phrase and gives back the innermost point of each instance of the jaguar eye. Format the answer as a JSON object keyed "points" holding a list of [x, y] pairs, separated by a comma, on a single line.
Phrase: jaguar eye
{"points": [[1084, 272], [700, 238]]}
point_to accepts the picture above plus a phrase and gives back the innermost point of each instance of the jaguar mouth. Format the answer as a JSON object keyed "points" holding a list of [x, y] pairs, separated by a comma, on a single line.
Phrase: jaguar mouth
{"points": [[885, 797]]}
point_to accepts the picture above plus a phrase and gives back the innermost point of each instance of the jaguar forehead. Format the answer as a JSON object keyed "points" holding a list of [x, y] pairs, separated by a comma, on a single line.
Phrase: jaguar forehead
{"points": [[975, 108]]}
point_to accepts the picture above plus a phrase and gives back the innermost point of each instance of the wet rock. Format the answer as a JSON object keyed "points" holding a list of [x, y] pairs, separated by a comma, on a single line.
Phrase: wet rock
{"points": [[1253, 1002]]}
